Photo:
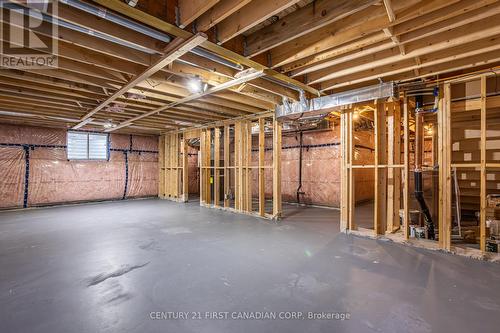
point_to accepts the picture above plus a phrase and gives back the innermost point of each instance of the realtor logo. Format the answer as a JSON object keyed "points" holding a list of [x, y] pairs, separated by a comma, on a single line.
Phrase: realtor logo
{"points": [[28, 34]]}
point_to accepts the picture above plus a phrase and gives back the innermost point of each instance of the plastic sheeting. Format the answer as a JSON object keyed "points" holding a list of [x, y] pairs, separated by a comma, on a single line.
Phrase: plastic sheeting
{"points": [[52, 179], [321, 162]]}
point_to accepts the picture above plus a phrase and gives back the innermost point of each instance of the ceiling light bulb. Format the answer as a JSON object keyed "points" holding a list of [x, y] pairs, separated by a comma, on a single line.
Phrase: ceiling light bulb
{"points": [[355, 115], [194, 85]]}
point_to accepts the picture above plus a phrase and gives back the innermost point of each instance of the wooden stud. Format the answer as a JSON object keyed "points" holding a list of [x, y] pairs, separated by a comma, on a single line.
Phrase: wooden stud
{"points": [[444, 157], [380, 205], [216, 166], [262, 183], [248, 180], [277, 207], [237, 165], [482, 223], [394, 158], [185, 170], [161, 166], [351, 187], [344, 193], [406, 157], [226, 166]]}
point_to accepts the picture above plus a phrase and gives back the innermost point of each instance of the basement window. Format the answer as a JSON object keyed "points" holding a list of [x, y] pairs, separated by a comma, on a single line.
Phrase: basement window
{"points": [[87, 146]]}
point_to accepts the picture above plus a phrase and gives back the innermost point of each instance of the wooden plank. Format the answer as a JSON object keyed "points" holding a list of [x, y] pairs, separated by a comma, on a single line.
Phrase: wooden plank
{"points": [[173, 51], [301, 22], [406, 158], [216, 166], [190, 10], [161, 166], [277, 206], [208, 158], [185, 170], [237, 164], [249, 167], [351, 171], [380, 205], [219, 12], [226, 166], [482, 219], [249, 16], [262, 182], [201, 163], [390, 10], [444, 157], [394, 157], [344, 193], [171, 29]]}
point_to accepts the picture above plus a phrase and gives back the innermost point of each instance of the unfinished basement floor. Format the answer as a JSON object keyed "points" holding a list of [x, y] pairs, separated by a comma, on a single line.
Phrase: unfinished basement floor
{"points": [[105, 267]]}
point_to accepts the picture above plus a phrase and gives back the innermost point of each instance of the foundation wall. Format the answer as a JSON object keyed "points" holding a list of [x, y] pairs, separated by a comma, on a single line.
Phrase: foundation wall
{"points": [[320, 167], [53, 179]]}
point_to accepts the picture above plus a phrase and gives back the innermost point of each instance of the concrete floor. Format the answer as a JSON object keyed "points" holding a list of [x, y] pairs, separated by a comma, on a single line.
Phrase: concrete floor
{"points": [[105, 267]]}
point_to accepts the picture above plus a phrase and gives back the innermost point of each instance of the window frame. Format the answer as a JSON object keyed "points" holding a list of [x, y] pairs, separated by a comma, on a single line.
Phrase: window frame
{"points": [[88, 133]]}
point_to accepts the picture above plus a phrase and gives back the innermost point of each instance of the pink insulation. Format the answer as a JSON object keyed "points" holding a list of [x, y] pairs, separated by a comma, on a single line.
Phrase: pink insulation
{"points": [[53, 179], [320, 167], [193, 171]]}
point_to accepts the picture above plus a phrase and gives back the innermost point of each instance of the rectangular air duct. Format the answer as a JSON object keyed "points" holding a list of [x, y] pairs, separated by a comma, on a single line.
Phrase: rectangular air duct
{"points": [[325, 104]]}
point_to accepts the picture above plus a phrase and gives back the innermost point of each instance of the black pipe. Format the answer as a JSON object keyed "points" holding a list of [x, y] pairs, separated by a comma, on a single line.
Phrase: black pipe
{"points": [[419, 195], [299, 193]]}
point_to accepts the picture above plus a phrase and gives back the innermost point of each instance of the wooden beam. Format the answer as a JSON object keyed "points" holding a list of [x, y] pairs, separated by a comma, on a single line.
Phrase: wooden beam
{"points": [[249, 16], [250, 76], [389, 10], [190, 10], [470, 53], [161, 25], [173, 51], [301, 22], [220, 11], [370, 20], [456, 37]]}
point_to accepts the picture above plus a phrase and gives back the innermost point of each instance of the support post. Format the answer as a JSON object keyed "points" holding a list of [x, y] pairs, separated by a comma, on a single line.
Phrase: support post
{"points": [[380, 214], [482, 218], [277, 207], [445, 170], [406, 130], [262, 184], [351, 187], [185, 171], [394, 158], [226, 166], [216, 166]]}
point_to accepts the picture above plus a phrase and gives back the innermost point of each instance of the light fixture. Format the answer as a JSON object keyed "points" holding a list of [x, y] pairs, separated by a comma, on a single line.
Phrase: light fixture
{"points": [[355, 115], [109, 124], [195, 85], [132, 3]]}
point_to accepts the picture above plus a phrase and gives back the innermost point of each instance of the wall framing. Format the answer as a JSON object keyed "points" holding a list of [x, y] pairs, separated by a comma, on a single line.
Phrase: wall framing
{"points": [[227, 160]]}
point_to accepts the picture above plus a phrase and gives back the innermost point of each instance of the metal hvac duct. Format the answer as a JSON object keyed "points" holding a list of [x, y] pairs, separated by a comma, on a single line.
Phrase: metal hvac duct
{"points": [[321, 105]]}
